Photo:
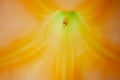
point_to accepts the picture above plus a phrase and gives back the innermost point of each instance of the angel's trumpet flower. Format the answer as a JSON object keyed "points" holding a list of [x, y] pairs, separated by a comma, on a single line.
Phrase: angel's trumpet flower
{"points": [[65, 46]]}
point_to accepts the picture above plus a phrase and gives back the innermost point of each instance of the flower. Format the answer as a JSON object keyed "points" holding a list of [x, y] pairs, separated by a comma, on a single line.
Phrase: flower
{"points": [[67, 40]]}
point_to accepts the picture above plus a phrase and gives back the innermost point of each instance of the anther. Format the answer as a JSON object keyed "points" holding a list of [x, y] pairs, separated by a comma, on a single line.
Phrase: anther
{"points": [[65, 22]]}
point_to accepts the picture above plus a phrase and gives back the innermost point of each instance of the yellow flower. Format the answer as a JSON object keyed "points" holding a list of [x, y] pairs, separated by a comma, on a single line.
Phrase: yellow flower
{"points": [[66, 39]]}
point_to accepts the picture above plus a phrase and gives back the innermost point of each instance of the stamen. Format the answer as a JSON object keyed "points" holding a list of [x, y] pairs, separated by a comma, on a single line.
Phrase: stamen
{"points": [[65, 22]]}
